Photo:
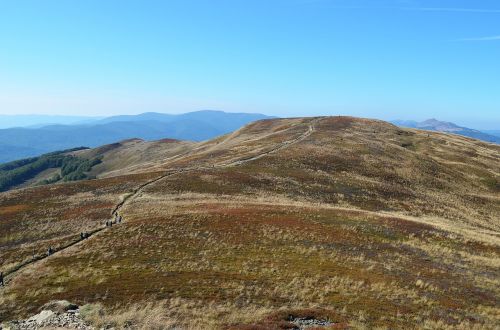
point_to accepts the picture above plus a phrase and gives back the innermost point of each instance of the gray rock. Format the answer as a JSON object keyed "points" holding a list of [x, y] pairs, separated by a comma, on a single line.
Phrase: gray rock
{"points": [[59, 306], [306, 323], [41, 317], [48, 319]]}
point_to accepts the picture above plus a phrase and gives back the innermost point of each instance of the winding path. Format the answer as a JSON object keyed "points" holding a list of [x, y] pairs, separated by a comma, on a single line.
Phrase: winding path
{"points": [[241, 161], [115, 212]]}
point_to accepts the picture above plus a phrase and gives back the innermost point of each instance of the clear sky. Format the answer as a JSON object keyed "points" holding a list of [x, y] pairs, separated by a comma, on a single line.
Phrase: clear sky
{"points": [[385, 59]]}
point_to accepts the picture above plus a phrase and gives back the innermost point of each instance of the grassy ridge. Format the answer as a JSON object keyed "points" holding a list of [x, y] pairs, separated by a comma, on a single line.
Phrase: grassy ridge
{"points": [[361, 223]]}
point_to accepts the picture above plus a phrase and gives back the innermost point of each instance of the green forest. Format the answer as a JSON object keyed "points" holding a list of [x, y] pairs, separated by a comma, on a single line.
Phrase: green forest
{"points": [[72, 168]]}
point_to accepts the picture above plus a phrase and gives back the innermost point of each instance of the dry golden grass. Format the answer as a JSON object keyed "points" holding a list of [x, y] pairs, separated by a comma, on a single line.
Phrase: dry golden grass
{"points": [[134, 155]]}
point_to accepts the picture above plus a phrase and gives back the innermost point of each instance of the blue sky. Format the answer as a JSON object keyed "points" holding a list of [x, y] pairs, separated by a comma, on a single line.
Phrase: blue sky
{"points": [[383, 59]]}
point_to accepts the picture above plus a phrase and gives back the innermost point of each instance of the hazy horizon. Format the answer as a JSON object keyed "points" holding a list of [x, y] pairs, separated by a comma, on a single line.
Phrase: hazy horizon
{"points": [[384, 59], [67, 119]]}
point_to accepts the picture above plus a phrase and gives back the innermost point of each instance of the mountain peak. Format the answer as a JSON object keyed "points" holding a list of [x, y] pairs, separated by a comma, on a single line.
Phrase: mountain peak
{"points": [[438, 125], [434, 124]]}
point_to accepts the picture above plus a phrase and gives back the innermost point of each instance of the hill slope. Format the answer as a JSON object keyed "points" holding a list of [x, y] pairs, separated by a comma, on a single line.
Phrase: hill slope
{"points": [[352, 220], [84, 163]]}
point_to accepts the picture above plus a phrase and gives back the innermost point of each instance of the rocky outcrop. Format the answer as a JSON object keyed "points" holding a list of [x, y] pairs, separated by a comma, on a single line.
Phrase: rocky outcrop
{"points": [[59, 314]]}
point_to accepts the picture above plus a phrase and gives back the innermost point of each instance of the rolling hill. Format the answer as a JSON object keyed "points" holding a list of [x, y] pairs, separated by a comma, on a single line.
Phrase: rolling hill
{"points": [[353, 222], [17, 143]]}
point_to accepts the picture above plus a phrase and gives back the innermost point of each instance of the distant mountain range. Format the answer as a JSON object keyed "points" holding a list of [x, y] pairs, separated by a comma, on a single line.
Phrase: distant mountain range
{"points": [[73, 131], [33, 121], [493, 132], [447, 127], [22, 142]]}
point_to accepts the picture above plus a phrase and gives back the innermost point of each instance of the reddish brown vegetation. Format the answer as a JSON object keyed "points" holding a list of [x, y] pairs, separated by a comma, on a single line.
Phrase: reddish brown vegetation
{"points": [[292, 233]]}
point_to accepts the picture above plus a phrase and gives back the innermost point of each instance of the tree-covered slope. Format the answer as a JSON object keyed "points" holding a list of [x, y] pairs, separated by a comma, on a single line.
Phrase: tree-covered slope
{"points": [[71, 168]]}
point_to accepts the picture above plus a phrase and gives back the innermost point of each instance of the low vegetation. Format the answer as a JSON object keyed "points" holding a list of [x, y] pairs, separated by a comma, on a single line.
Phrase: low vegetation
{"points": [[32, 219], [346, 225]]}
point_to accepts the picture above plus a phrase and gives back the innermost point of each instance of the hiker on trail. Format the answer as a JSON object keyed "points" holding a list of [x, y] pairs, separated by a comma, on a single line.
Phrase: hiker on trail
{"points": [[120, 219], [50, 251], [1, 279]]}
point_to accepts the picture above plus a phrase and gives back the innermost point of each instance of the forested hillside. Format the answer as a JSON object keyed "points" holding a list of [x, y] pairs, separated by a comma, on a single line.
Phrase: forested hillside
{"points": [[71, 168]]}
